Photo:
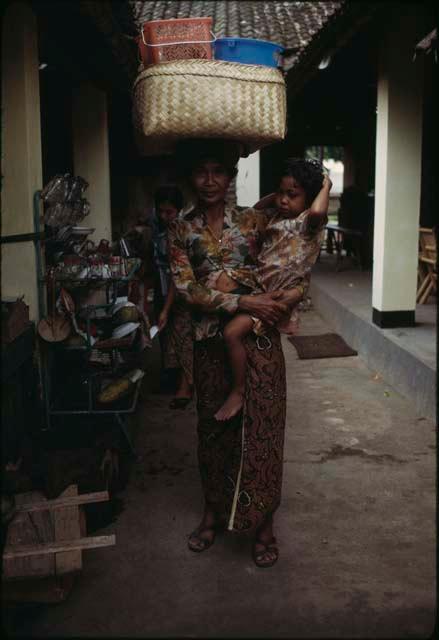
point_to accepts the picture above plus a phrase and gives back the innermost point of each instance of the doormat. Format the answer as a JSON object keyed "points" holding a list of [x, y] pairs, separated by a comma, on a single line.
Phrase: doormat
{"points": [[326, 345]]}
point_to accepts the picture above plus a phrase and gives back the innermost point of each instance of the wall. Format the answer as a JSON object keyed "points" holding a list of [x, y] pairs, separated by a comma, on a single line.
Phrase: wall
{"points": [[91, 155], [247, 181], [21, 150], [398, 172]]}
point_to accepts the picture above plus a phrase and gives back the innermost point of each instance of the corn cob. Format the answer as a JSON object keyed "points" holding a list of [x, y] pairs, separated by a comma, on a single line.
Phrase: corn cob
{"points": [[119, 388], [114, 391]]}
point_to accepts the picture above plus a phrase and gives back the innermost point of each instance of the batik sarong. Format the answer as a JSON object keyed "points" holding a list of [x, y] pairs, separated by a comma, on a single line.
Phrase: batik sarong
{"points": [[178, 340], [240, 460]]}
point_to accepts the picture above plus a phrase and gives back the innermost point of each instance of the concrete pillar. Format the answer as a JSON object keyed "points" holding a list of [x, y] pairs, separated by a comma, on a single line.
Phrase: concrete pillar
{"points": [[247, 181], [91, 155], [21, 150], [397, 175]]}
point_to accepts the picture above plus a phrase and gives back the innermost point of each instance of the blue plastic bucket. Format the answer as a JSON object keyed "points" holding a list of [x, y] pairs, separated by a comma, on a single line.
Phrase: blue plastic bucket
{"points": [[248, 51]]}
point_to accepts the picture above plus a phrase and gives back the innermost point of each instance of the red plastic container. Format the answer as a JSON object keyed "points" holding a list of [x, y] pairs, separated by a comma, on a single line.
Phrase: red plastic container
{"points": [[176, 39]]}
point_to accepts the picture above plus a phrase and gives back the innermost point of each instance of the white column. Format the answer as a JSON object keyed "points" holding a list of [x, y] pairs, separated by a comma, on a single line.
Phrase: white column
{"points": [[247, 180], [21, 150], [91, 155], [397, 176]]}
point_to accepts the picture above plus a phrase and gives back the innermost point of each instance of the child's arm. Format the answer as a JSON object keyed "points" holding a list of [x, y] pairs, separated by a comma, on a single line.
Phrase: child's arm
{"points": [[318, 211], [292, 297], [164, 314], [266, 202]]}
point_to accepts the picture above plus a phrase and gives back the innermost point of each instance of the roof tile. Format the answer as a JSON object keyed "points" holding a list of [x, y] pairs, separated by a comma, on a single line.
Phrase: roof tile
{"points": [[291, 24]]}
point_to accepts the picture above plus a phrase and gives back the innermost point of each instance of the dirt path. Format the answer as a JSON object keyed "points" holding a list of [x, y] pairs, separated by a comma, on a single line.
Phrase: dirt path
{"points": [[356, 526]]}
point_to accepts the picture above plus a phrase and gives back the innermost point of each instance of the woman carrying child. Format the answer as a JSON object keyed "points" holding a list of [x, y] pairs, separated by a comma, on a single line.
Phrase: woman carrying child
{"points": [[213, 258], [174, 318], [291, 245]]}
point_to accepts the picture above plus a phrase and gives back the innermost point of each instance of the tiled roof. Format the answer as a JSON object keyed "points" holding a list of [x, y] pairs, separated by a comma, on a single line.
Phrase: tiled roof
{"points": [[297, 26], [291, 24]]}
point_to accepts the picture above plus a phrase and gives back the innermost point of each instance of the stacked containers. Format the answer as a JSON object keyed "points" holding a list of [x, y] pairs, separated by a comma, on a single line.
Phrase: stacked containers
{"points": [[238, 96]]}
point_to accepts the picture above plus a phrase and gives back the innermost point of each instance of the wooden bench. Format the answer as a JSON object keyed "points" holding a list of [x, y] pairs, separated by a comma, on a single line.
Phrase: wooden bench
{"points": [[336, 236]]}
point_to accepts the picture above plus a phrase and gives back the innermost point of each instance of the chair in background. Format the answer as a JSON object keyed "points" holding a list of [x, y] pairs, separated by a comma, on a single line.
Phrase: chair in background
{"points": [[427, 265]]}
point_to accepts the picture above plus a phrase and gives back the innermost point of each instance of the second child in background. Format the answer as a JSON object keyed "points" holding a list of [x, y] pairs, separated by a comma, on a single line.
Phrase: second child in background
{"points": [[174, 318], [290, 247]]}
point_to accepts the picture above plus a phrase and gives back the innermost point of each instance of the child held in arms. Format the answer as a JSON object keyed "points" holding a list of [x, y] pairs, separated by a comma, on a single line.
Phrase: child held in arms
{"points": [[291, 245]]}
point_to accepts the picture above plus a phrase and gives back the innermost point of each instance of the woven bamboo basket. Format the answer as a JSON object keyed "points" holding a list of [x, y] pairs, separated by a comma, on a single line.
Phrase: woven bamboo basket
{"points": [[208, 99]]}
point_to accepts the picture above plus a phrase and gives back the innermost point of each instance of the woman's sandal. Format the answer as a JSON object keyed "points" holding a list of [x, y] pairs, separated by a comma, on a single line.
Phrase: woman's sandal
{"points": [[179, 403], [205, 542], [258, 556]]}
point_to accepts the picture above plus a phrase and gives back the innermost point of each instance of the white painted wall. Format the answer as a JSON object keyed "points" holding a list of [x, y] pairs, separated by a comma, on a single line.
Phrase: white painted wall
{"points": [[398, 170], [247, 181], [21, 150], [91, 155]]}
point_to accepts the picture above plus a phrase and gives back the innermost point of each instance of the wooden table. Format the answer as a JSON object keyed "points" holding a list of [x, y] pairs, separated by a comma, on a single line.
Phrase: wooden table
{"points": [[336, 236]]}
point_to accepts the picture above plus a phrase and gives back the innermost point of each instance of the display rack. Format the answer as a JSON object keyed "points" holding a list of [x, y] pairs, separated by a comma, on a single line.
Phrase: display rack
{"points": [[85, 404]]}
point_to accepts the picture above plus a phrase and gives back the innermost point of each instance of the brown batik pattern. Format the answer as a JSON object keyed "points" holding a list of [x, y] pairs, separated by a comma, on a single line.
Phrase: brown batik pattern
{"points": [[263, 420], [178, 352]]}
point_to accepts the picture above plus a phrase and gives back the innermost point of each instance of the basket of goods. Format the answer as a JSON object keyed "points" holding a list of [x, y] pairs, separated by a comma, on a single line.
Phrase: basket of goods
{"points": [[175, 39], [208, 99]]}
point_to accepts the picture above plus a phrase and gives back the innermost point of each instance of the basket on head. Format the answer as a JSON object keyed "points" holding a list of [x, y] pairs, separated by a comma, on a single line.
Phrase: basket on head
{"points": [[208, 99]]}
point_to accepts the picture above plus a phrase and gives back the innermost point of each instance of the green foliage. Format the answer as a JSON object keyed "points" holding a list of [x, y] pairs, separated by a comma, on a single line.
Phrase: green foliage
{"points": [[327, 151]]}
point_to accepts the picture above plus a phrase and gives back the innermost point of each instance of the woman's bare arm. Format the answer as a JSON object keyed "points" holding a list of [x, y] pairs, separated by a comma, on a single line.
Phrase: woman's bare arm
{"points": [[164, 313], [170, 298]]}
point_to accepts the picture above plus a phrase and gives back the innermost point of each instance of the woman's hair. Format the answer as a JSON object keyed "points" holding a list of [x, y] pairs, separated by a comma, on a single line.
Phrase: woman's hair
{"points": [[307, 172], [169, 193], [192, 153]]}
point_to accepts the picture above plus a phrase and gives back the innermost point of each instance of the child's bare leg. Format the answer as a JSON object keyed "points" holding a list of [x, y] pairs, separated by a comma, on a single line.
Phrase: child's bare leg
{"points": [[234, 333]]}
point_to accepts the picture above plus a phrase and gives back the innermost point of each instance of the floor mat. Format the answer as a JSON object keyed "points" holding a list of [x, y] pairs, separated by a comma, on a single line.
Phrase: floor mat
{"points": [[326, 345]]}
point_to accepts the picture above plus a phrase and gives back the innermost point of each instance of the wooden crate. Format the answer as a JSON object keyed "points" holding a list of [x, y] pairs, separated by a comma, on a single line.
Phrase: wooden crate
{"points": [[44, 544]]}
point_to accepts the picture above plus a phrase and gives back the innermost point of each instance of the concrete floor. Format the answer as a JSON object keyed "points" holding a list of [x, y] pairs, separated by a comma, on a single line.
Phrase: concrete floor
{"points": [[356, 526], [406, 356]]}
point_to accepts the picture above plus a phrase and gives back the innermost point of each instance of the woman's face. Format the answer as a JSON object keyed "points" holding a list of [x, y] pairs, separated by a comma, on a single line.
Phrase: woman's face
{"points": [[290, 197], [210, 181], [167, 212]]}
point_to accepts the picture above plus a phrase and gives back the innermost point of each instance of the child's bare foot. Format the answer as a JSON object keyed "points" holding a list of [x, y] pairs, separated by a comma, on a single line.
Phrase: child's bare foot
{"points": [[232, 406]]}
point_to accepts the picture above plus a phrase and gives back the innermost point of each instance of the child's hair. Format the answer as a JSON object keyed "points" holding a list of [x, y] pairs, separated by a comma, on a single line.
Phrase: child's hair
{"points": [[307, 172], [169, 193]]}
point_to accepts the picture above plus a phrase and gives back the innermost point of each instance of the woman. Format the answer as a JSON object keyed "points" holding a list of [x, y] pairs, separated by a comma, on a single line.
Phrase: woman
{"points": [[174, 319], [212, 258]]}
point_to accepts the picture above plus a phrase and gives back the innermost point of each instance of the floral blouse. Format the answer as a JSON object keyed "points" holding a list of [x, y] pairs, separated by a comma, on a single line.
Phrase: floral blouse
{"points": [[288, 252], [197, 259]]}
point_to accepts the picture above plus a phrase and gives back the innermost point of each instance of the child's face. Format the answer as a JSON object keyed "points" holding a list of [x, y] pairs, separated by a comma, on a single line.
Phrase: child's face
{"points": [[290, 197], [167, 212]]}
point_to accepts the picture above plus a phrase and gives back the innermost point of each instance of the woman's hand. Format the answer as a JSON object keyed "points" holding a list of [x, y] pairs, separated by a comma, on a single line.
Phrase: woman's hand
{"points": [[265, 306], [163, 320]]}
